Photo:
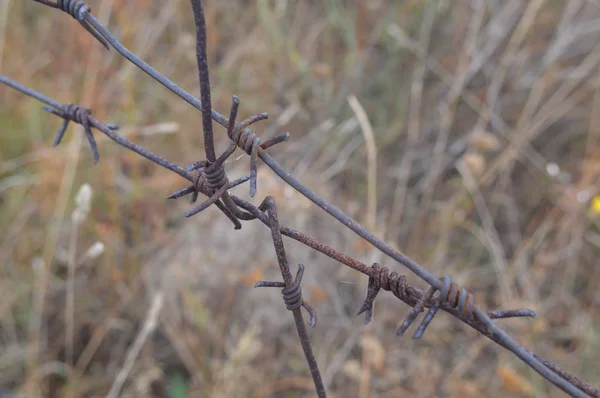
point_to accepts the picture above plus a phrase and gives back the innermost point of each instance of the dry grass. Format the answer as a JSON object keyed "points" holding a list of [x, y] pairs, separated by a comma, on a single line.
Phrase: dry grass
{"points": [[483, 154]]}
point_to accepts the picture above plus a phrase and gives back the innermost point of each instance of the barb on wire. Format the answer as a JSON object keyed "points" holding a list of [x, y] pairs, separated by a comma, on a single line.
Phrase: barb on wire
{"points": [[292, 292], [292, 295], [110, 131], [68, 112], [209, 178], [79, 10], [450, 297], [211, 175], [79, 115], [408, 294], [241, 136]]}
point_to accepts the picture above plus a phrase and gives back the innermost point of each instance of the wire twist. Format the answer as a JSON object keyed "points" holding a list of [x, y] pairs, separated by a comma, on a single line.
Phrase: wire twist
{"points": [[79, 10], [212, 176], [216, 177], [247, 140], [292, 295], [73, 8], [381, 278], [76, 113], [250, 143], [460, 296], [79, 115], [451, 297]]}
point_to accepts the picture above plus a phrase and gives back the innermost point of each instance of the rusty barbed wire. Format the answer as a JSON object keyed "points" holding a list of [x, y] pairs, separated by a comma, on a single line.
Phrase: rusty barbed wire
{"points": [[79, 10], [292, 295], [79, 115], [408, 294], [292, 292], [448, 295], [250, 143], [62, 110], [451, 298], [451, 295]]}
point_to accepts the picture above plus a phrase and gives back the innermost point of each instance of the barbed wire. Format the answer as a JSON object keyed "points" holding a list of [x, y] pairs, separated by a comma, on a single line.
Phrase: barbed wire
{"points": [[209, 178]]}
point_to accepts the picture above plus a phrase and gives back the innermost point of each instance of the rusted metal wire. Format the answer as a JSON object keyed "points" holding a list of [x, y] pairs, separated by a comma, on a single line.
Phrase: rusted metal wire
{"points": [[79, 10], [209, 178], [411, 295], [79, 115], [451, 297], [204, 78], [292, 295], [292, 292]]}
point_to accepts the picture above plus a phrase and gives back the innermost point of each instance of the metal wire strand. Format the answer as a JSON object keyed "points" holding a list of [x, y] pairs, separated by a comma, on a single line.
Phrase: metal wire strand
{"points": [[250, 142], [292, 296], [79, 115], [433, 310], [499, 335], [381, 278], [79, 10], [451, 297], [211, 177]]}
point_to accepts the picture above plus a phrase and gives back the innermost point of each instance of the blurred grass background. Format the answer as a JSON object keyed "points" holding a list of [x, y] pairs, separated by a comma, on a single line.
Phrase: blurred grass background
{"points": [[479, 156]]}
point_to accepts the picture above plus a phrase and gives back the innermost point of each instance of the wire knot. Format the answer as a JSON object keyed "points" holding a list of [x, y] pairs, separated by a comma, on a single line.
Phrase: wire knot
{"points": [[381, 278], [215, 176], [456, 297], [79, 115], [213, 180], [292, 295], [75, 8], [248, 141], [79, 10], [451, 297], [211, 176], [387, 281]]}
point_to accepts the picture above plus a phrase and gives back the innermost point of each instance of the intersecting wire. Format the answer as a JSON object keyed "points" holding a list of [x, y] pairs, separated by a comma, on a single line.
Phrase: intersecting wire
{"points": [[462, 301], [292, 292], [408, 294]]}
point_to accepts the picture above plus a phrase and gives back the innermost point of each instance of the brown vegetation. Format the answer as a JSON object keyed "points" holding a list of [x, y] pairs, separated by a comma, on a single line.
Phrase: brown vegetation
{"points": [[485, 166]]}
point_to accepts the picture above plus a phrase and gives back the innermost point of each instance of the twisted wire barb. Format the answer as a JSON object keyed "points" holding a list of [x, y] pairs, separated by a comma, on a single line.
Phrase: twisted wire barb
{"points": [[499, 335], [292, 292], [292, 295], [481, 322], [262, 154], [242, 132], [451, 298], [109, 130], [79, 115], [79, 10]]}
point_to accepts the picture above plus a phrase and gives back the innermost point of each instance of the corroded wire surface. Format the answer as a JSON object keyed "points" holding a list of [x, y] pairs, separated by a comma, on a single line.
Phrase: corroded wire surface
{"points": [[79, 10], [79, 115], [209, 178]]}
